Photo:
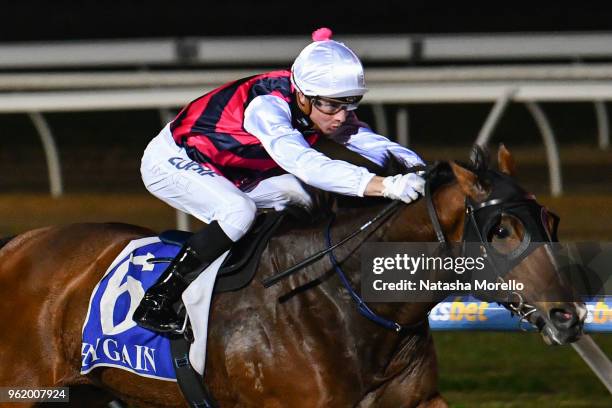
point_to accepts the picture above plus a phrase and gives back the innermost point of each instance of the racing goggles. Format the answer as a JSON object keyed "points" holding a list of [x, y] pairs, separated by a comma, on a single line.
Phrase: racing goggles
{"points": [[331, 106]]}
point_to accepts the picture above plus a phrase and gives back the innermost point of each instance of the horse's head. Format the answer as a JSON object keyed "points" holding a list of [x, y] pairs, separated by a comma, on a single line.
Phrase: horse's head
{"points": [[489, 210], [516, 231]]}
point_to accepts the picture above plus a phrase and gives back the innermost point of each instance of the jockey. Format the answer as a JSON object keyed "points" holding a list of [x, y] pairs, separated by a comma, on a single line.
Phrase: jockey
{"points": [[248, 145]]}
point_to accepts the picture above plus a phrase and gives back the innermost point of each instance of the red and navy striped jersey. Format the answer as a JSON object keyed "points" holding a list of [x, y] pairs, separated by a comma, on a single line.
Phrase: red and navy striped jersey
{"points": [[211, 130]]}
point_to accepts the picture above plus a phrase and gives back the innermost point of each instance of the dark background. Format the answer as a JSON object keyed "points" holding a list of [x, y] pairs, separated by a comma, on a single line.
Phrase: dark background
{"points": [[89, 19]]}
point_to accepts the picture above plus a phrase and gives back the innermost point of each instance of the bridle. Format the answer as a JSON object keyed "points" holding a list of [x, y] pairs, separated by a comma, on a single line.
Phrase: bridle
{"points": [[480, 217]]}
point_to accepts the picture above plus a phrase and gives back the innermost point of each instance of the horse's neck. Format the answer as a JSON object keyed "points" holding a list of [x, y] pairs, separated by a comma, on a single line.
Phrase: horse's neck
{"points": [[349, 255], [411, 223], [377, 346]]}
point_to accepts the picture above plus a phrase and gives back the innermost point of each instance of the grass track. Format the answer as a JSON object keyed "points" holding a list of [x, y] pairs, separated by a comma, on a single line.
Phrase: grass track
{"points": [[483, 369]]}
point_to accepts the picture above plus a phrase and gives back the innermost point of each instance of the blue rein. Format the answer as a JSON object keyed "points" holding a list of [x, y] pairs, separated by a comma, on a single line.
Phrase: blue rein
{"points": [[362, 307]]}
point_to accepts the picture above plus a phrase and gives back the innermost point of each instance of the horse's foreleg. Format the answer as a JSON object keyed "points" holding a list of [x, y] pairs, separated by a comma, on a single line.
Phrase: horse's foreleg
{"points": [[402, 401], [409, 382]]}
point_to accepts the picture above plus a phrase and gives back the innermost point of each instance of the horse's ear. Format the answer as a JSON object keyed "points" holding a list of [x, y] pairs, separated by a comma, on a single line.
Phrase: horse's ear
{"points": [[479, 158], [505, 161], [468, 181]]}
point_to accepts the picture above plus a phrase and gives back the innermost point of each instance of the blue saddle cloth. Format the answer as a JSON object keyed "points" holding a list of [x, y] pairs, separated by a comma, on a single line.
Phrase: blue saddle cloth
{"points": [[110, 336]]}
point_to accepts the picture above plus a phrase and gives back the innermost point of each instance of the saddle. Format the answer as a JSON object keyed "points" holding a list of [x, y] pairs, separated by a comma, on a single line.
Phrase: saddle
{"points": [[238, 270]]}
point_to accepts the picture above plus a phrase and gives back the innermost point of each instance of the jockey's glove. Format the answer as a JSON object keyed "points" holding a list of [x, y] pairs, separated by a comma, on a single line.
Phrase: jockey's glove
{"points": [[405, 187]]}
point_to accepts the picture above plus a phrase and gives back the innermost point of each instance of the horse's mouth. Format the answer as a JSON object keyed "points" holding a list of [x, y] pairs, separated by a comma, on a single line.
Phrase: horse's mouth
{"points": [[553, 336], [562, 326]]}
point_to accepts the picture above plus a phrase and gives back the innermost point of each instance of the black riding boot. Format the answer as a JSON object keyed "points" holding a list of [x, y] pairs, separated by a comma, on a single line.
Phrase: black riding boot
{"points": [[156, 311]]}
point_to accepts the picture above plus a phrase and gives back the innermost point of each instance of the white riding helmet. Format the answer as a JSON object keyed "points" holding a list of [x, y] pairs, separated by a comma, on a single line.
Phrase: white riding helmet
{"points": [[328, 68]]}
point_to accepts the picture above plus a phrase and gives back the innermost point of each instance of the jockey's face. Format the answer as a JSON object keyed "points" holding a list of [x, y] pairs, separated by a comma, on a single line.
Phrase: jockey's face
{"points": [[324, 122]]}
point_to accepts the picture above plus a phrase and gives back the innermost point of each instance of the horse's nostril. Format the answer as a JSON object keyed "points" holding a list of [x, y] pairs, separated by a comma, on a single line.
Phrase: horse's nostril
{"points": [[563, 317]]}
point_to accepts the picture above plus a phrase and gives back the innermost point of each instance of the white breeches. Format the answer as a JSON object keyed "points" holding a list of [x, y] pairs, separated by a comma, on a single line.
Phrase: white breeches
{"points": [[170, 175]]}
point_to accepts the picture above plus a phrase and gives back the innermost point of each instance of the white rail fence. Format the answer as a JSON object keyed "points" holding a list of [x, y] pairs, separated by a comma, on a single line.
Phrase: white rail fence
{"points": [[234, 51], [66, 92], [38, 93]]}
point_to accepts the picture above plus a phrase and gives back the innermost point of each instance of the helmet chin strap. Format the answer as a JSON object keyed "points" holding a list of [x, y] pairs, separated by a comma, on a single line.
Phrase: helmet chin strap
{"points": [[301, 114], [306, 108]]}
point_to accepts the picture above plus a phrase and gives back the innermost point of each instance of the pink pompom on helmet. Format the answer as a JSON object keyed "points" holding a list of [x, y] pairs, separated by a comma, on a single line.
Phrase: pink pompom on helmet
{"points": [[322, 34]]}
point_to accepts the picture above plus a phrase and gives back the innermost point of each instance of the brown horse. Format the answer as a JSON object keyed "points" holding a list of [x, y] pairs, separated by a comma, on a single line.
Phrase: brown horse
{"points": [[300, 343]]}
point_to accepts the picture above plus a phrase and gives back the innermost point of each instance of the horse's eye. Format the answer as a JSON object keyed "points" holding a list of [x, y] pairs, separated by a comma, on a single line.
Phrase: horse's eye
{"points": [[501, 232], [506, 234]]}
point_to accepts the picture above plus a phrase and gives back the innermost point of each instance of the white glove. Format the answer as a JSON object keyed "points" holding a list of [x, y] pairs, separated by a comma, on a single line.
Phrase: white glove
{"points": [[405, 187]]}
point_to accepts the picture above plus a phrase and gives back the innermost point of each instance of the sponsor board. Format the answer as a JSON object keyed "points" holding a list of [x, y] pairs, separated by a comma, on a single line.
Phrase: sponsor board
{"points": [[468, 313]]}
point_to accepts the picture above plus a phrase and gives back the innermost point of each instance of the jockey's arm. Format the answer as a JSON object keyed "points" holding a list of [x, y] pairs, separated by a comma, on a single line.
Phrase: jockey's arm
{"points": [[269, 119], [356, 136]]}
